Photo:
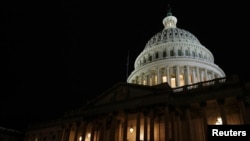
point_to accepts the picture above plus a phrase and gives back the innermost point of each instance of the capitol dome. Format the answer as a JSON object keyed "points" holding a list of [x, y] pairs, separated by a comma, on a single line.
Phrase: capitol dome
{"points": [[175, 56]]}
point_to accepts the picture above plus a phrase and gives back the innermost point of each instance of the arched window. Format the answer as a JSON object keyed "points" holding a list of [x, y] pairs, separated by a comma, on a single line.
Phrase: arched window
{"points": [[200, 55], [187, 53], [156, 55], [149, 58], [193, 53], [179, 52], [171, 52], [164, 54]]}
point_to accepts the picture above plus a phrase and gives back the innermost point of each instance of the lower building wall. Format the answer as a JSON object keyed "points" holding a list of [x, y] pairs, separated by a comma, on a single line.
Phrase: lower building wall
{"points": [[179, 126]]}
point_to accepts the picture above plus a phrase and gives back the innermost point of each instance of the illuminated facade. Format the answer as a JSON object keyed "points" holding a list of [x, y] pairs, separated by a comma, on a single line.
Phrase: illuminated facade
{"points": [[174, 92]]}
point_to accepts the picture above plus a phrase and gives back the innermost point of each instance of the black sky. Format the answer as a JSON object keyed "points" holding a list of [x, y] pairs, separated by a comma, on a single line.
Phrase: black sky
{"points": [[60, 55]]}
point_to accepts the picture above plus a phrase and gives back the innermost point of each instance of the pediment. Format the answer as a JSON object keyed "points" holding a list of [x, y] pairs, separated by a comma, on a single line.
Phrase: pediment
{"points": [[122, 92]]}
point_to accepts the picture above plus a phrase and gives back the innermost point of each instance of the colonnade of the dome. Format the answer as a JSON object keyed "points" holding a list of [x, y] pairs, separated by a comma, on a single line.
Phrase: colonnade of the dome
{"points": [[176, 76]]}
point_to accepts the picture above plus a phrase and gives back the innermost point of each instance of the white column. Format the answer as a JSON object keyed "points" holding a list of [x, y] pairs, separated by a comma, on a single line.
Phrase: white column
{"points": [[193, 76], [177, 77], [198, 75], [151, 78], [186, 75], [201, 75], [147, 79], [168, 76], [159, 76], [212, 75], [206, 76], [142, 79]]}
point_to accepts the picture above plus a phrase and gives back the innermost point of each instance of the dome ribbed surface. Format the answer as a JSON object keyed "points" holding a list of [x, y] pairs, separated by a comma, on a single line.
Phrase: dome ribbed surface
{"points": [[171, 35]]}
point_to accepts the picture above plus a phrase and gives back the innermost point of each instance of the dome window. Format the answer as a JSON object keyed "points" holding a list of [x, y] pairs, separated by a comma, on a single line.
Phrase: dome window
{"points": [[200, 55], [149, 58], [172, 53], [180, 53], [156, 55], [193, 54], [164, 54], [187, 53]]}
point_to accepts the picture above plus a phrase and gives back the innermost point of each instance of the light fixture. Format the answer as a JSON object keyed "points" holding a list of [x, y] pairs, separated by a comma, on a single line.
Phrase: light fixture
{"points": [[131, 129], [80, 138], [89, 135], [219, 121]]}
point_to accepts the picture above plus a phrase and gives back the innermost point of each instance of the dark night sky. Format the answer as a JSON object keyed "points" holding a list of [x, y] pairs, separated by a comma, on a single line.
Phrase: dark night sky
{"points": [[61, 55]]}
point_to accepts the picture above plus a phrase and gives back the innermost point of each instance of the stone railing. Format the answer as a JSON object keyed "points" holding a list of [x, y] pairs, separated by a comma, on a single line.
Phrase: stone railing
{"points": [[202, 84]]}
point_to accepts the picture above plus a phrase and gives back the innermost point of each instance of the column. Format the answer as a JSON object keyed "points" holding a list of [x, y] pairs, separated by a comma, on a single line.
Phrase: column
{"points": [[76, 131], [173, 124], [59, 135], [189, 124], [197, 74], [67, 133], [102, 129], [222, 111], [166, 122], [179, 136], [193, 76], [204, 117], [159, 76], [177, 76], [212, 75], [145, 114], [151, 135], [242, 110], [148, 79], [63, 133], [113, 129], [187, 80], [202, 76], [125, 127], [92, 134], [142, 78], [136, 80], [206, 77], [138, 119], [153, 78], [84, 127], [168, 76]]}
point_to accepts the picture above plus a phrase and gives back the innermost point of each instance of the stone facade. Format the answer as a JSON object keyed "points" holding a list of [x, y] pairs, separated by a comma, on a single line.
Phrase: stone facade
{"points": [[132, 112]]}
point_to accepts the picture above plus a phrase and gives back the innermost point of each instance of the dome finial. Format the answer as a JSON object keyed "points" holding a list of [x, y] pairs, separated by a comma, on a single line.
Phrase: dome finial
{"points": [[169, 21], [169, 12]]}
